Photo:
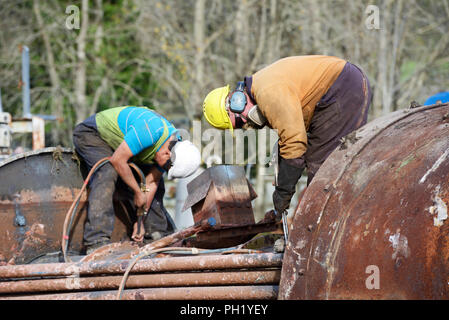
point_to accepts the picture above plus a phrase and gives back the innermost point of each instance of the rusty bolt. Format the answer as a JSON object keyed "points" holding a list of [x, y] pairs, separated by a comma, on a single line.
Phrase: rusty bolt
{"points": [[398, 263]]}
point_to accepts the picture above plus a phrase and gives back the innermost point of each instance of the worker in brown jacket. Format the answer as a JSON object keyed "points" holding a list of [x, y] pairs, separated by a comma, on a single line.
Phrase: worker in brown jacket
{"points": [[312, 102]]}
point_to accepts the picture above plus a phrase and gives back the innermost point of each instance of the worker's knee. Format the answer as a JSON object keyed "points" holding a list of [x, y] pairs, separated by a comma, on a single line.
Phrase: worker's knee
{"points": [[104, 176]]}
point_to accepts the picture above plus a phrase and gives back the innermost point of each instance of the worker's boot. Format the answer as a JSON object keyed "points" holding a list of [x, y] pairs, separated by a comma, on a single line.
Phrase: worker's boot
{"points": [[95, 246]]}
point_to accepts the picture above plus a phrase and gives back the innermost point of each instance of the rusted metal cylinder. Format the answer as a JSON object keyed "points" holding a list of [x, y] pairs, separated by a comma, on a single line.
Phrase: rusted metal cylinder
{"points": [[373, 223], [197, 263], [37, 188], [143, 281], [263, 292]]}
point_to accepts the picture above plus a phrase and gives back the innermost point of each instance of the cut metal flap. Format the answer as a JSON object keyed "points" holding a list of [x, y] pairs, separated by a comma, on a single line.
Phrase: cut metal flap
{"points": [[197, 190], [231, 187], [252, 192]]}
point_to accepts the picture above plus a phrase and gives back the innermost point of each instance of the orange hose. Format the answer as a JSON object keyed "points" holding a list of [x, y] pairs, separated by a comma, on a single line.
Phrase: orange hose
{"points": [[70, 212]]}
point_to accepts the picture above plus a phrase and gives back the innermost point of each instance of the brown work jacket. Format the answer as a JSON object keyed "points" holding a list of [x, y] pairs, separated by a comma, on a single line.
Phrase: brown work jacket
{"points": [[287, 92]]}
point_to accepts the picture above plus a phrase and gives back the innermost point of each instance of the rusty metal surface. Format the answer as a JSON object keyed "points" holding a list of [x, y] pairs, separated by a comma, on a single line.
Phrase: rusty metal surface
{"points": [[113, 251], [172, 264], [248, 277], [228, 236], [232, 276], [38, 133], [262, 292], [379, 201], [222, 192], [36, 192], [34, 125]]}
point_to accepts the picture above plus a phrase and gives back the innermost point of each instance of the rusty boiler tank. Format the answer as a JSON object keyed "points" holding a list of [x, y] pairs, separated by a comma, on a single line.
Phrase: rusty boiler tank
{"points": [[374, 222], [37, 188]]}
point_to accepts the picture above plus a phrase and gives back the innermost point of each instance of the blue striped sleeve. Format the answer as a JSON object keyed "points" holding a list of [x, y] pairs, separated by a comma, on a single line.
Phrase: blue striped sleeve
{"points": [[143, 133]]}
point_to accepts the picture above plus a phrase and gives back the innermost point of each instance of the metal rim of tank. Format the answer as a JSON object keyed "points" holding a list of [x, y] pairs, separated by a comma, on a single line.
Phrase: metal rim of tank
{"points": [[33, 153]]}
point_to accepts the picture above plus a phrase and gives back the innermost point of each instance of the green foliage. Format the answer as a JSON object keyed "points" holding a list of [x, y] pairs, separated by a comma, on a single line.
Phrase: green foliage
{"points": [[114, 75], [168, 54]]}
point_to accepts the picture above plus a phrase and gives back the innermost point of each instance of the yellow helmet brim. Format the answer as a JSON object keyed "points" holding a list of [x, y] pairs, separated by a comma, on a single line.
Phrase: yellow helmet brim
{"points": [[214, 108]]}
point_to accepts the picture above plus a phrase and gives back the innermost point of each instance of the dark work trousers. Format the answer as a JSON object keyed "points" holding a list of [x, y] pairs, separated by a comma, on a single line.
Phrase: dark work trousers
{"points": [[104, 183], [343, 109]]}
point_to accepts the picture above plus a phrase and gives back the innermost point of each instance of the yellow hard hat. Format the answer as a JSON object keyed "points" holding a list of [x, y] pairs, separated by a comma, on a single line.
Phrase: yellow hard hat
{"points": [[214, 108]]}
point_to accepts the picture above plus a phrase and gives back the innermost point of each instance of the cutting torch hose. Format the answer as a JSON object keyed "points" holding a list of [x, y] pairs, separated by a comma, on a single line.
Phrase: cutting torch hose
{"points": [[175, 250], [71, 213]]}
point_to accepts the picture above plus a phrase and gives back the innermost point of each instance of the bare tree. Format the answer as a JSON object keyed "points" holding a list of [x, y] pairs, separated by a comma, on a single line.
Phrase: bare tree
{"points": [[56, 96], [80, 70]]}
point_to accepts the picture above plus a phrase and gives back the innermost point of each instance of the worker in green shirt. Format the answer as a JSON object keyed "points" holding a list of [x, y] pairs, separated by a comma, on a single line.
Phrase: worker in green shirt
{"points": [[144, 137]]}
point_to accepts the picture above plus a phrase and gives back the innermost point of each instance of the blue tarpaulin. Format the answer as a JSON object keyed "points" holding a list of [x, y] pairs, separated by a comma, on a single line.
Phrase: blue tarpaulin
{"points": [[442, 96]]}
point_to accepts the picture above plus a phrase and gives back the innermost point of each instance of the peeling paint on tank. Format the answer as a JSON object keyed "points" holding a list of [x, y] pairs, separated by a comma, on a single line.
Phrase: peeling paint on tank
{"points": [[301, 244], [405, 162], [316, 252], [441, 211], [361, 176], [400, 245], [439, 208], [435, 165]]}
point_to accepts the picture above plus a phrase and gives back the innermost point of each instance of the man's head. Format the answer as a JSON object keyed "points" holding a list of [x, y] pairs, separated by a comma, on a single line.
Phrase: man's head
{"points": [[224, 109], [179, 158], [163, 155]]}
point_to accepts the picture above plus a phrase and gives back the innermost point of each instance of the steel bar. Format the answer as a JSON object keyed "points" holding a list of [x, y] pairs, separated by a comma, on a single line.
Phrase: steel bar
{"points": [[202, 225], [227, 235], [197, 263], [263, 292], [143, 281]]}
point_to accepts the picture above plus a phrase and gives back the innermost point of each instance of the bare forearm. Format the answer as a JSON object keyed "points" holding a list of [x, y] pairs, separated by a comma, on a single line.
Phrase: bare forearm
{"points": [[125, 172], [119, 161], [150, 194], [152, 182]]}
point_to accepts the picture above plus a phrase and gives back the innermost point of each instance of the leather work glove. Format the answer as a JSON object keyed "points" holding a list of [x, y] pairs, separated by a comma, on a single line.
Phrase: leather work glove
{"points": [[289, 173]]}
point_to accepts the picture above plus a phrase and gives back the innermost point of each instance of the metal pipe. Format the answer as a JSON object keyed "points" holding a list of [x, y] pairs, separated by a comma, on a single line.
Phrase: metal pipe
{"points": [[264, 292], [144, 281], [1, 106], [166, 241], [190, 263], [26, 82]]}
